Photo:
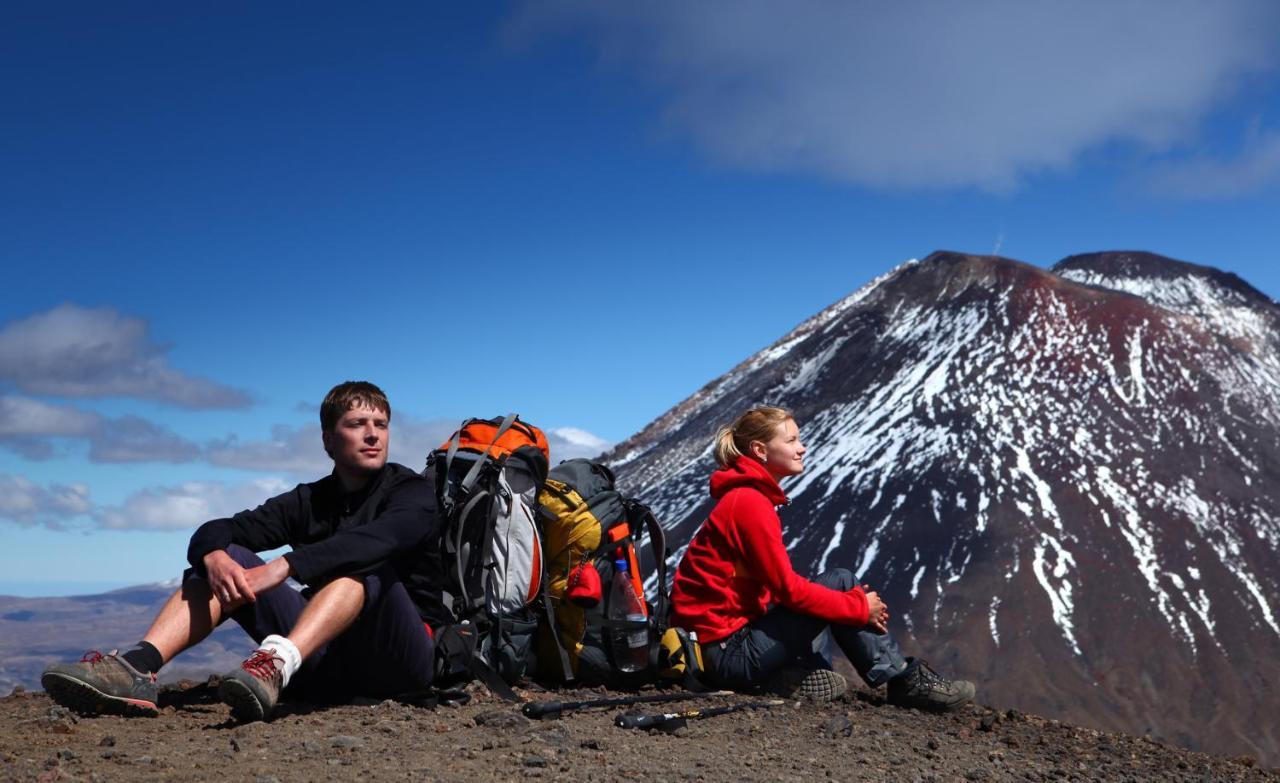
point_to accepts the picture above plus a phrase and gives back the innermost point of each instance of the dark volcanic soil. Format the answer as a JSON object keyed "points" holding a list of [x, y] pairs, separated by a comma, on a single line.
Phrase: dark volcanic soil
{"points": [[858, 738]]}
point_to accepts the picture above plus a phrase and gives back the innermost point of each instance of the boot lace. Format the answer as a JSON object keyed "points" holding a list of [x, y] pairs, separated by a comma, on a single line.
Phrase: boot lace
{"points": [[91, 657], [927, 677], [262, 664]]}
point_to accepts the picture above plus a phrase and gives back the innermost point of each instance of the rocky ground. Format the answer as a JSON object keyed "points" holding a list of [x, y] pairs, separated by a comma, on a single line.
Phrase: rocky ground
{"points": [[856, 738]]}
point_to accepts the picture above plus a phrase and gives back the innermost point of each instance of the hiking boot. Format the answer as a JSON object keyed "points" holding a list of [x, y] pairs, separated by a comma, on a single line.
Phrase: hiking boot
{"points": [[100, 683], [923, 688], [253, 690], [817, 685]]}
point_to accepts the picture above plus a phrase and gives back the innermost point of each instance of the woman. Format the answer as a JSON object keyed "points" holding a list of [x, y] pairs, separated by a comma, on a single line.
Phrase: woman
{"points": [[759, 622]]}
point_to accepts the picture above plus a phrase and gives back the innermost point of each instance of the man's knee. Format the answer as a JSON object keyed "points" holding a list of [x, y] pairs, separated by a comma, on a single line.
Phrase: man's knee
{"points": [[837, 579], [243, 556]]}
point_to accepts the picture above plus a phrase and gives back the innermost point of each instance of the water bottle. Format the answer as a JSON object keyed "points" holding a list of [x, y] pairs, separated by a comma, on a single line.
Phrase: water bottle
{"points": [[630, 645]]}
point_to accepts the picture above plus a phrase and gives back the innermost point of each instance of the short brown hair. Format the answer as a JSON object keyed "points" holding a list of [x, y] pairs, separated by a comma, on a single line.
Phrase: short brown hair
{"points": [[732, 441], [348, 395]]}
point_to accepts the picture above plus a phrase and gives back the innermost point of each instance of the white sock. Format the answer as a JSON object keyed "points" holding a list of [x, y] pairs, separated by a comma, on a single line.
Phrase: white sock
{"points": [[287, 651]]}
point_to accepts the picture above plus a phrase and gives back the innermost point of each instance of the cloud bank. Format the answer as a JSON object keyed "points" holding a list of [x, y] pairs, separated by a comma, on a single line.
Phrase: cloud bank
{"points": [[188, 505], [930, 94], [72, 351], [28, 427], [26, 503]]}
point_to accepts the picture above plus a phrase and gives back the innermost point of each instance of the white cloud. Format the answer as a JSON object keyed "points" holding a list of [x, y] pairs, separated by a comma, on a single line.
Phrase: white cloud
{"points": [[293, 450], [188, 505], [297, 451], [27, 425], [23, 416], [930, 94], [1256, 168], [72, 351], [131, 439], [27, 503], [570, 442]]}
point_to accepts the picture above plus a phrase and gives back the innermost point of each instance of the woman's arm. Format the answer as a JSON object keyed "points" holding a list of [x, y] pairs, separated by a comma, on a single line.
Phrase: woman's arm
{"points": [[760, 535]]}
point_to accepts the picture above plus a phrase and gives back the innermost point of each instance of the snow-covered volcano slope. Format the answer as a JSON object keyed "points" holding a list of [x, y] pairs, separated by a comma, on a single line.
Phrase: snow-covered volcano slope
{"points": [[1064, 482]]}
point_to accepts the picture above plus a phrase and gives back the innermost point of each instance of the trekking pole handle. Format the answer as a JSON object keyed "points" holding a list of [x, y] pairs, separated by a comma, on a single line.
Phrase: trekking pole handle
{"points": [[643, 721], [536, 709]]}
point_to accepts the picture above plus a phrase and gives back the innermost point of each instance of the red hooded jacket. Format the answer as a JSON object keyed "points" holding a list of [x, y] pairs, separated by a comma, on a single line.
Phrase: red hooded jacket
{"points": [[736, 565]]}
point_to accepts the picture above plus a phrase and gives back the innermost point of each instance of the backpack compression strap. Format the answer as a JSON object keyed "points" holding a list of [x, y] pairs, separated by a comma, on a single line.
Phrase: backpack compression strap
{"points": [[469, 480]]}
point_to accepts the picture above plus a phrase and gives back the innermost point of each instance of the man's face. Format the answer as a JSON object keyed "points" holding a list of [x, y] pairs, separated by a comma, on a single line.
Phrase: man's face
{"points": [[358, 442]]}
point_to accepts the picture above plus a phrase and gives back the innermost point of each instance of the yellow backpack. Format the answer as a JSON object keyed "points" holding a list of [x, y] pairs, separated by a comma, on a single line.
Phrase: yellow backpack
{"points": [[588, 528]]}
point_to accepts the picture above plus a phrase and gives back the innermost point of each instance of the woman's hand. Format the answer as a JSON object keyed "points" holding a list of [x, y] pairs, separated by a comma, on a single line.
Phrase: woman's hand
{"points": [[228, 579], [877, 612]]}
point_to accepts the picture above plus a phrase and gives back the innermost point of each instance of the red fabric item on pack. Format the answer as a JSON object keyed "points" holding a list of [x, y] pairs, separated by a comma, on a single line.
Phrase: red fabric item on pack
{"points": [[584, 587], [737, 566]]}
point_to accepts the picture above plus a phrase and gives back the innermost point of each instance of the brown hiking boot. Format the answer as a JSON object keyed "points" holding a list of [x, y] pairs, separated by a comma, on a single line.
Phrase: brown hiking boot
{"points": [[817, 685], [253, 689], [923, 688], [100, 683]]}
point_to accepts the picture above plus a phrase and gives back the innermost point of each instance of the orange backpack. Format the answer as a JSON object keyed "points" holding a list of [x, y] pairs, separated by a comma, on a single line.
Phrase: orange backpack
{"points": [[488, 476]]}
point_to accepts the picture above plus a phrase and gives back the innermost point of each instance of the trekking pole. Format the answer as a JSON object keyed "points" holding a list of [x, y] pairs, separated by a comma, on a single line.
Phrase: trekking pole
{"points": [[554, 709], [670, 721]]}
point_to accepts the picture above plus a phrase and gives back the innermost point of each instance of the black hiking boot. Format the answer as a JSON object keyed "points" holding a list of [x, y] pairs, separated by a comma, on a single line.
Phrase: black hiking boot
{"points": [[816, 685], [253, 689], [99, 684], [923, 688]]}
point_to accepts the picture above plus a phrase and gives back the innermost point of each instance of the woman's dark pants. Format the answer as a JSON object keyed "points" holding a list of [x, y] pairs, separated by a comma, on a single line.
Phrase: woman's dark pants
{"points": [[749, 657], [386, 651]]}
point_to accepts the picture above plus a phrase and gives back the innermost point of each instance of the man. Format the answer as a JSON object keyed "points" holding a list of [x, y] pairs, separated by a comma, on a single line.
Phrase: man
{"points": [[365, 540]]}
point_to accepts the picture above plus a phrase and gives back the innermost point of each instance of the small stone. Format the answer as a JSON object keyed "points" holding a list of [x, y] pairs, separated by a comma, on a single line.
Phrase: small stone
{"points": [[345, 741], [535, 760], [265, 779], [837, 726], [109, 754], [143, 760], [107, 742], [501, 719], [235, 745], [989, 721], [933, 744], [592, 744]]}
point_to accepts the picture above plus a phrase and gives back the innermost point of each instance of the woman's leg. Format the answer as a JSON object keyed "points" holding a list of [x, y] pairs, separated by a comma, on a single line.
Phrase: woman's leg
{"points": [[876, 657]]}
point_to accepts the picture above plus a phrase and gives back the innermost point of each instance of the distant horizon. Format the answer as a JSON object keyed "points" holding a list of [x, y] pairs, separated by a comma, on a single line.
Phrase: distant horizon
{"points": [[63, 588]]}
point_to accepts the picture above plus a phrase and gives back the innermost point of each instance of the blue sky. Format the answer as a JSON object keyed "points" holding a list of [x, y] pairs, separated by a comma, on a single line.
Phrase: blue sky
{"points": [[579, 211]]}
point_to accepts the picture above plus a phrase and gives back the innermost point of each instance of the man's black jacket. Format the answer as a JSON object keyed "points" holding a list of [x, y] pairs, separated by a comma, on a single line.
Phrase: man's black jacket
{"points": [[333, 534]]}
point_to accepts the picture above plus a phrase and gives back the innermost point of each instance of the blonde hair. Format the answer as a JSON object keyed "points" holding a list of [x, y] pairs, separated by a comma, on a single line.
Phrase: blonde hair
{"points": [[732, 441]]}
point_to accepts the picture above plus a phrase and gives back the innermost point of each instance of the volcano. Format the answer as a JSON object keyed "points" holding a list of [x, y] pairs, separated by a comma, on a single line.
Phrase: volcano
{"points": [[1063, 482]]}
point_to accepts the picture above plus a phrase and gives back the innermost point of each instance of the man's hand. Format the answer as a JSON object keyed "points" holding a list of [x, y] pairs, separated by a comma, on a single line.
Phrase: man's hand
{"points": [[228, 579], [878, 613], [268, 575]]}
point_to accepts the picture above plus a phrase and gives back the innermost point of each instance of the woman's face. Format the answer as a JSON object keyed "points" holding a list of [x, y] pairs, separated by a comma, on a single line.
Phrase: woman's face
{"points": [[783, 454]]}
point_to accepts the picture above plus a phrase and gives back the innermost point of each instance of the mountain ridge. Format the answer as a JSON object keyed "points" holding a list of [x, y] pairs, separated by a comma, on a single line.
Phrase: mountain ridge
{"points": [[1023, 460]]}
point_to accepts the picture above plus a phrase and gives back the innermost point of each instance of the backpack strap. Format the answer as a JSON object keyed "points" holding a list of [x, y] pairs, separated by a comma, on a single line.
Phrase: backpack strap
{"points": [[549, 612], [642, 516], [469, 480], [464, 570]]}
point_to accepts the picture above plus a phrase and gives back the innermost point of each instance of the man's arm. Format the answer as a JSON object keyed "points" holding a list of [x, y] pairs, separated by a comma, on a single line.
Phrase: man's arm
{"points": [[266, 527], [405, 521]]}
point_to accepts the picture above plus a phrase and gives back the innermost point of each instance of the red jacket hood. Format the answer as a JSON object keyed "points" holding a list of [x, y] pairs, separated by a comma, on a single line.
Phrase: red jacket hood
{"points": [[747, 472]]}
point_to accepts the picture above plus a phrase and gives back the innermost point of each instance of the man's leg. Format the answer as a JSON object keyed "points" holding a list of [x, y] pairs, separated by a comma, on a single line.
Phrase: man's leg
{"points": [[254, 689], [386, 651], [125, 683]]}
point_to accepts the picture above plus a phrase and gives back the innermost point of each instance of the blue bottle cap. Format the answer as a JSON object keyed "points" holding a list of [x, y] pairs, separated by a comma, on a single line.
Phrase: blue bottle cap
{"points": [[620, 565]]}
